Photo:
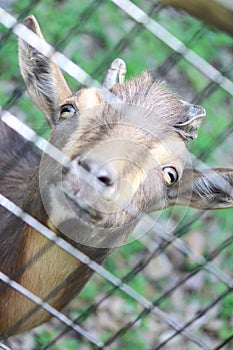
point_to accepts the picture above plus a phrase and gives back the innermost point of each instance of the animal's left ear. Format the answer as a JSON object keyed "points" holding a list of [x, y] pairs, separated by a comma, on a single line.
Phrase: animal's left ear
{"points": [[43, 78], [190, 120], [207, 189]]}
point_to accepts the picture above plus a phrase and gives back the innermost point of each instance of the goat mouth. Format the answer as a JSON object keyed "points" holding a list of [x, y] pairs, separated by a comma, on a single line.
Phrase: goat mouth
{"points": [[82, 208]]}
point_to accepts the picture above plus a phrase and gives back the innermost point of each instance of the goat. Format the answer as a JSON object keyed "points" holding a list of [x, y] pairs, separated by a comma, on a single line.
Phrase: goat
{"points": [[126, 156]]}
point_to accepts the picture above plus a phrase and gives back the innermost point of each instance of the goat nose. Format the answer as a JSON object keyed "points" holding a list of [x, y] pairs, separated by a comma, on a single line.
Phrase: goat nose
{"points": [[102, 169]]}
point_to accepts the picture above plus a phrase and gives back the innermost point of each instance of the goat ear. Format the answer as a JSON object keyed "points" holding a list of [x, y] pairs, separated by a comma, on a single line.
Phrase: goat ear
{"points": [[208, 189], [115, 74], [192, 118], [43, 78]]}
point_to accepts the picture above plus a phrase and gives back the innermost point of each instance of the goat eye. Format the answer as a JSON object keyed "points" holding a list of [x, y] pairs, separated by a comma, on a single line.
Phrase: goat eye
{"points": [[170, 175], [67, 111]]}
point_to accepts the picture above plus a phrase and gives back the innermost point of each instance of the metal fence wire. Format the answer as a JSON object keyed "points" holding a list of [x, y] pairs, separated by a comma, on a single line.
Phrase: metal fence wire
{"points": [[172, 287]]}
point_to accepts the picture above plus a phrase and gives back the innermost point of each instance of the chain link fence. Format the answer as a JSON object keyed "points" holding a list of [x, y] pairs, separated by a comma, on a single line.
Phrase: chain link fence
{"points": [[171, 288]]}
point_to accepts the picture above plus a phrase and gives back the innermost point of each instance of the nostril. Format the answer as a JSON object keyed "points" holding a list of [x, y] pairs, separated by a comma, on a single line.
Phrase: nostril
{"points": [[84, 163], [65, 170], [102, 171], [105, 177], [105, 180]]}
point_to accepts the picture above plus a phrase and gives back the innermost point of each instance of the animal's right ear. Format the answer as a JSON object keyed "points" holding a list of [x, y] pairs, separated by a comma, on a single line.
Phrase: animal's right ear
{"points": [[206, 189], [191, 120], [43, 78]]}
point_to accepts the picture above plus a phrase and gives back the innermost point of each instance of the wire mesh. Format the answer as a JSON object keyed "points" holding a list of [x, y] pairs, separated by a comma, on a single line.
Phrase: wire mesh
{"points": [[165, 291]]}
